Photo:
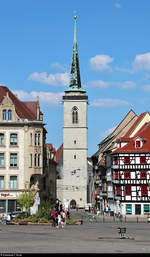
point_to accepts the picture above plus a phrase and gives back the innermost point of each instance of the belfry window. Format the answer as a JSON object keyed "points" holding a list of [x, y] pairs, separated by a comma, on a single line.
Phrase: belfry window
{"points": [[74, 115]]}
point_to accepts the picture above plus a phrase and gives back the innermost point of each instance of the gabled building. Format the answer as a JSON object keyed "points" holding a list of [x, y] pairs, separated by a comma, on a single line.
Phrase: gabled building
{"points": [[131, 173], [22, 137]]}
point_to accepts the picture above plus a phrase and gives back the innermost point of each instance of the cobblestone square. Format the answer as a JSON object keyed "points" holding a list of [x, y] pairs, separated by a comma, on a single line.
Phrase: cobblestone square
{"points": [[87, 238]]}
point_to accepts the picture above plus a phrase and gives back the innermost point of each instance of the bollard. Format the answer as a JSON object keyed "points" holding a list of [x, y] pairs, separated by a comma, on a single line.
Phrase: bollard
{"points": [[137, 220]]}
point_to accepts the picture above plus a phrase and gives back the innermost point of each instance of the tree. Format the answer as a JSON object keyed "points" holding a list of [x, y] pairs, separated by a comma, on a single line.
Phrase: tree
{"points": [[26, 200]]}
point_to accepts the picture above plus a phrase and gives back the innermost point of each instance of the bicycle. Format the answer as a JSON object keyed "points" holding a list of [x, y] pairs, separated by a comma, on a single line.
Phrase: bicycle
{"points": [[91, 219]]}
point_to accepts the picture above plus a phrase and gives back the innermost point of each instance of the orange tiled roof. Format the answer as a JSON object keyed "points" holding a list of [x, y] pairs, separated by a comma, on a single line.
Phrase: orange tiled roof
{"points": [[144, 134]]}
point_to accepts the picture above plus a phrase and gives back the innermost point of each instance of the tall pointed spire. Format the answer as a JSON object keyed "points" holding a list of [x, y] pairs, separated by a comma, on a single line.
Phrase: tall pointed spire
{"points": [[75, 81]]}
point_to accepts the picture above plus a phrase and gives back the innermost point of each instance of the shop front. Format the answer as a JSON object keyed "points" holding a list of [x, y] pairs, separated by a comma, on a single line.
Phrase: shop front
{"points": [[8, 202]]}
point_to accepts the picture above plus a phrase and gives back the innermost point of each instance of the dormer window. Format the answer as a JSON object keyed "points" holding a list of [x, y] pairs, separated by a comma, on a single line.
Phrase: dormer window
{"points": [[4, 115], [137, 143], [9, 114]]}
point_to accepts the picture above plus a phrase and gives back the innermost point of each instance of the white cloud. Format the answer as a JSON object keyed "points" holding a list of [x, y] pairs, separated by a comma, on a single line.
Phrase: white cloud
{"points": [[101, 62], [117, 5], [127, 84], [48, 98], [58, 66], [98, 83], [104, 84], [108, 102], [58, 79], [141, 62], [146, 88], [107, 132]]}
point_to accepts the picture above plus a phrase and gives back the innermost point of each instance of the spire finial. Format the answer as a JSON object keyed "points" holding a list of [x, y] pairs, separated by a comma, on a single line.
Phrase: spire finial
{"points": [[75, 15]]}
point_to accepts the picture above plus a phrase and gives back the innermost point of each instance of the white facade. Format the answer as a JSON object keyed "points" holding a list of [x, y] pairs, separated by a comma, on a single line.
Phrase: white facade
{"points": [[73, 185]]}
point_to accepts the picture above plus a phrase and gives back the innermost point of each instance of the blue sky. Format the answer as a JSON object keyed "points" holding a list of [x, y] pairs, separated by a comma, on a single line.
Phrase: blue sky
{"points": [[36, 40]]}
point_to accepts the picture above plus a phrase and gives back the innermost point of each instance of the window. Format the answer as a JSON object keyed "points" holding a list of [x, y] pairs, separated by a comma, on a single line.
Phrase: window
{"points": [[115, 161], [31, 160], [143, 174], [1, 159], [146, 208], [144, 191], [116, 174], [137, 143], [1, 139], [126, 159], [128, 208], [38, 160], [38, 139], [35, 139], [143, 159], [1, 182], [74, 156], [13, 160], [4, 115], [9, 114], [30, 138], [13, 139], [13, 182], [118, 191], [127, 174], [74, 115], [75, 142], [127, 189], [35, 160]]}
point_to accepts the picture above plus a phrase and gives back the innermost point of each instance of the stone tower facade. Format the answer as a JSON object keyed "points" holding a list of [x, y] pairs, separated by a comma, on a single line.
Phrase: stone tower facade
{"points": [[73, 185]]}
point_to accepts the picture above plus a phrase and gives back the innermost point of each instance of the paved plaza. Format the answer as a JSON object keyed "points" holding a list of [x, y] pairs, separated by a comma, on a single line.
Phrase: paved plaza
{"points": [[85, 238]]}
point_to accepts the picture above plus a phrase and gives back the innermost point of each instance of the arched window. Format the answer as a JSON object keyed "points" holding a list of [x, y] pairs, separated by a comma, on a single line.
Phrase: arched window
{"points": [[9, 114], [4, 114], [74, 115]]}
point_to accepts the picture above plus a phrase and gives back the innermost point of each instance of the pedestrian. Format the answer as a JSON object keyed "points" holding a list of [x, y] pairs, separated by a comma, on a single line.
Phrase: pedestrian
{"points": [[77, 207], [59, 219], [68, 214], [8, 218], [54, 217], [56, 220], [63, 218]]}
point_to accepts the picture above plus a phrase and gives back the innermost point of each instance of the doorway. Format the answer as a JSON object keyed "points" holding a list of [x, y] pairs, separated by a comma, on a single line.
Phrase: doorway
{"points": [[138, 209], [73, 204]]}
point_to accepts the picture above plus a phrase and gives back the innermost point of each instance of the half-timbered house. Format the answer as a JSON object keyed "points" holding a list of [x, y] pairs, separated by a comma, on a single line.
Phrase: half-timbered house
{"points": [[131, 173]]}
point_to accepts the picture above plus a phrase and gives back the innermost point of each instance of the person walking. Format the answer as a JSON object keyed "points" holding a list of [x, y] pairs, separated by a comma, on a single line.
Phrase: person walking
{"points": [[54, 217], [63, 218], [59, 219]]}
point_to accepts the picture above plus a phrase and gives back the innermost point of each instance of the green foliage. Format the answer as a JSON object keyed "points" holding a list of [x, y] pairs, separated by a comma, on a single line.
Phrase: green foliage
{"points": [[26, 200], [45, 210]]}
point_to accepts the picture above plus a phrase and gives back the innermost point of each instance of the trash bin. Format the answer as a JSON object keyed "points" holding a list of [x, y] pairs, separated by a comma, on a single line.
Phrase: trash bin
{"points": [[122, 232]]}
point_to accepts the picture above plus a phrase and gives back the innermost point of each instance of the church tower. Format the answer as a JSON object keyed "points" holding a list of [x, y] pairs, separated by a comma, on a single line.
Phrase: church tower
{"points": [[75, 100]]}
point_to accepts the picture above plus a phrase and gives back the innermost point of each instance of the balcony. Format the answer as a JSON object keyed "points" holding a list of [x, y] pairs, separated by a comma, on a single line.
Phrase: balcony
{"points": [[117, 197], [110, 194], [103, 193], [116, 181], [115, 166], [109, 177]]}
